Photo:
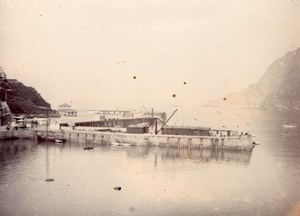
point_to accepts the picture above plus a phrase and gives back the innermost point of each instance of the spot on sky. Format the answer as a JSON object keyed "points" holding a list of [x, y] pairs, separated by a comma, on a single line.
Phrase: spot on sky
{"points": [[184, 83], [224, 99], [134, 77], [174, 95]]}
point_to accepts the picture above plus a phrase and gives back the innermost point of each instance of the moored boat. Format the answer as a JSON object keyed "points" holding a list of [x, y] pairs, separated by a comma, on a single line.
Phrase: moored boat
{"points": [[88, 148], [51, 138], [120, 144], [291, 125]]}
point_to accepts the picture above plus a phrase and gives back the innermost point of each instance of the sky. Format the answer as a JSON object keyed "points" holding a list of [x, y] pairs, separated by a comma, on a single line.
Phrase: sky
{"points": [[135, 53]]}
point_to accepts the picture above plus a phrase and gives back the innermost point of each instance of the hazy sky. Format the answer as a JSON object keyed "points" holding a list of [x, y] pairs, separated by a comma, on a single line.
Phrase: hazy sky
{"points": [[89, 50]]}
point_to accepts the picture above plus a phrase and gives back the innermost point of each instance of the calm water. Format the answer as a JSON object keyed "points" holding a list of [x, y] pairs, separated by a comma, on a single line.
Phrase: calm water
{"points": [[156, 181]]}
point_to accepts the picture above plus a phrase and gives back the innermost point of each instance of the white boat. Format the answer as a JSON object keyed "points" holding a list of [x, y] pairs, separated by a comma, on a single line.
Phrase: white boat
{"points": [[120, 144], [291, 125], [60, 140], [51, 138]]}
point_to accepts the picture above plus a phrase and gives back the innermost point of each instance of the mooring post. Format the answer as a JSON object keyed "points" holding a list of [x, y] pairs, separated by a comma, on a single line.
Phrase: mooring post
{"points": [[201, 143]]}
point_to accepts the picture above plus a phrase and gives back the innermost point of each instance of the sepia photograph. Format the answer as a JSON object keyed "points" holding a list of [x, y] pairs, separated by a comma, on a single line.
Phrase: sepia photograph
{"points": [[149, 108]]}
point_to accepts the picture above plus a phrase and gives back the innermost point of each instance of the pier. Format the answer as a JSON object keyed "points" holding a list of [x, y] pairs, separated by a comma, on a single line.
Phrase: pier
{"points": [[241, 142], [120, 123]]}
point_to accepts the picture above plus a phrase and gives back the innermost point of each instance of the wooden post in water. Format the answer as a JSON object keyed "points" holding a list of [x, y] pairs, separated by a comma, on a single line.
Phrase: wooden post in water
{"points": [[201, 143], [47, 123]]}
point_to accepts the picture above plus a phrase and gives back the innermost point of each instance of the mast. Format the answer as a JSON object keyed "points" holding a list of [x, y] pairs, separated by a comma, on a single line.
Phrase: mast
{"points": [[47, 124], [165, 123]]}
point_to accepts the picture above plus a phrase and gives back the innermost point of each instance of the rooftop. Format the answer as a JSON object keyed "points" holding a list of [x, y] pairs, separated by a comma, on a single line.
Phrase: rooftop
{"points": [[188, 127]]}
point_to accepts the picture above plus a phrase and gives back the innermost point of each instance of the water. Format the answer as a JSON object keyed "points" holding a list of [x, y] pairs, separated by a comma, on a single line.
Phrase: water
{"points": [[155, 180]]}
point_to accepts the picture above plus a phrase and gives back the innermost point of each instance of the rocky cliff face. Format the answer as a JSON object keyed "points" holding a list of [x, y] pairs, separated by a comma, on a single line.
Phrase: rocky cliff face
{"points": [[282, 83], [25, 100], [278, 88]]}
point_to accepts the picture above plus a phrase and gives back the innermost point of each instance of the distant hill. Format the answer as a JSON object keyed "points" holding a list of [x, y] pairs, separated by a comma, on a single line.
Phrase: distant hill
{"points": [[26, 100], [277, 89]]}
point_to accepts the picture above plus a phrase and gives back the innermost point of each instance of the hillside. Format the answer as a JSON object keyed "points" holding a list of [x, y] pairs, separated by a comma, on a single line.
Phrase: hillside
{"points": [[25, 100], [277, 89]]}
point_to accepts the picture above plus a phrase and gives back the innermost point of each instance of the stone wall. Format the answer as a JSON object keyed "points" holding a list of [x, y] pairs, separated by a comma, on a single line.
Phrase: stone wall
{"points": [[95, 137]]}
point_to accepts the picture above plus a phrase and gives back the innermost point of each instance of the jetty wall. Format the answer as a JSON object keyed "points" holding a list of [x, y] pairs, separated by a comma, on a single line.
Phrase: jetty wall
{"points": [[206, 142], [22, 134], [106, 138]]}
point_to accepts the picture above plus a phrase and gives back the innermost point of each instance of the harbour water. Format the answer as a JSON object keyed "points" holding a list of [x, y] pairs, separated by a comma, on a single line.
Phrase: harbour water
{"points": [[158, 180]]}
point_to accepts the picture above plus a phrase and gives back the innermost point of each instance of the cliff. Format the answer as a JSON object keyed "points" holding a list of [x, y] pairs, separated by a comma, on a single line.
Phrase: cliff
{"points": [[277, 89], [26, 100]]}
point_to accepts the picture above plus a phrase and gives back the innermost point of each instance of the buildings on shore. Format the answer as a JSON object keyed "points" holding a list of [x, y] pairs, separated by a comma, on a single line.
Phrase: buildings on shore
{"points": [[66, 110]]}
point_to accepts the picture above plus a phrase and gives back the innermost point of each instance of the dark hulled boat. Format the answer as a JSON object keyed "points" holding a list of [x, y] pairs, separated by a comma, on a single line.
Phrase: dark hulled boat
{"points": [[51, 138]]}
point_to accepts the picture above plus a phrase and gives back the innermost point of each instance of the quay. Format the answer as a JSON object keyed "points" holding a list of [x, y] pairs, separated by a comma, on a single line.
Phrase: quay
{"points": [[150, 129], [240, 142]]}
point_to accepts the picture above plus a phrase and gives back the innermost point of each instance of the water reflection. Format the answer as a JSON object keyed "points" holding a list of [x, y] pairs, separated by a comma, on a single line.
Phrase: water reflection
{"points": [[12, 150], [154, 180], [207, 155], [191, 155]]}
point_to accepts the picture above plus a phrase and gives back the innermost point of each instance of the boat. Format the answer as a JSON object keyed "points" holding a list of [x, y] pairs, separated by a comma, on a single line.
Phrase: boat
{"points": [[121, 144], [49, 179], [291, 125], [88, 148], [60, 140], [50, 138]]}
